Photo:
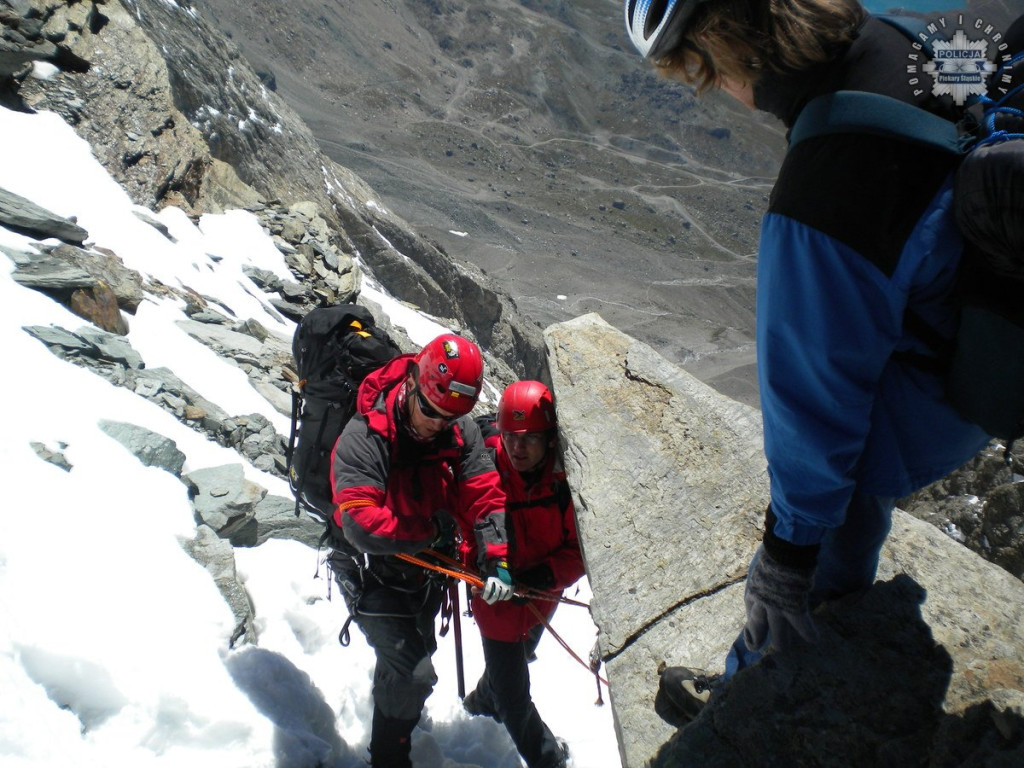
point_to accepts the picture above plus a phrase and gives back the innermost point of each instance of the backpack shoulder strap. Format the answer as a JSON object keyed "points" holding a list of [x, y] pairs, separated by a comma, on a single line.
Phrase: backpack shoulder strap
{"points": [[564, 494], [914, 29], [560, 494], [874, 113]]}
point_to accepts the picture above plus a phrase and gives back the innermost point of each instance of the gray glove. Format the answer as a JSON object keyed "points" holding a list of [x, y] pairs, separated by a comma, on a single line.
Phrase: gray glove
{"points": [[776, 600], [498, 587]]}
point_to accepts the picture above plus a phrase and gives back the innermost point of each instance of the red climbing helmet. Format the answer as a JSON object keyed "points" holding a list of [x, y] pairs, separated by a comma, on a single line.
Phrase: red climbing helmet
{"points": [[451, 373], [526, 406]]}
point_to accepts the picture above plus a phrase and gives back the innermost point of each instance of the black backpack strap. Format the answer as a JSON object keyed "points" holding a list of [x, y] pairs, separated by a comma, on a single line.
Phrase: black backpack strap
{"points": [[488, 424], [561, 495], [290, 453], [543, 501], [911, 27], [564, 494], [942, 349], [873, 113]]}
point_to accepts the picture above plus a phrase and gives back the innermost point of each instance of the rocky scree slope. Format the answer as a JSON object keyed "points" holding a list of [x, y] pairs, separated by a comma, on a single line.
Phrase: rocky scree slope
{"points": [[177, 116], [530, 139]]}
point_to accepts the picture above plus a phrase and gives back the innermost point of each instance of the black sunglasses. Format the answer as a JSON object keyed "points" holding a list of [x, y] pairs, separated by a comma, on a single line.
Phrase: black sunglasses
{"points": [[429, 411]]}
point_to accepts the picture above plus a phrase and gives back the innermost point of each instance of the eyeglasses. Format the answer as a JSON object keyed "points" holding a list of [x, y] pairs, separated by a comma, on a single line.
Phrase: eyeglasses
{"points": [[530, 438], [429, 412]]}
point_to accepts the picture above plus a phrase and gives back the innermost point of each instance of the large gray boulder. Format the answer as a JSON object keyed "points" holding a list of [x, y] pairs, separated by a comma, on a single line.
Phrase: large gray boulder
{"points": [[22, 215], [152, 449], [927, 668], [274, 518], [223, 498]]}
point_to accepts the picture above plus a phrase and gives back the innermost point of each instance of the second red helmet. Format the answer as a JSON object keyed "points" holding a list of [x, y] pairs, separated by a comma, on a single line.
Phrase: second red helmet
{"points": [[526, 406], [451, 373]]}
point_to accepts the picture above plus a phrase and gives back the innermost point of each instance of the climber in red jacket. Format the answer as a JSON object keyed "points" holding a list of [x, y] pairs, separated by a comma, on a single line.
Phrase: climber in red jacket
{"points": [[409, 470], [544, 555]]}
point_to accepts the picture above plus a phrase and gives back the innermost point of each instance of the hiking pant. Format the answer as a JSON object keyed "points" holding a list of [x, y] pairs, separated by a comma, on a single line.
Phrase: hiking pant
{"points": [[399, 626], [847, 563], [505, 689]]}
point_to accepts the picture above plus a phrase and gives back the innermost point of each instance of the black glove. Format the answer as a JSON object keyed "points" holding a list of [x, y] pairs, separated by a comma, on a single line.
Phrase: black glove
{"points": [[538, 577], [776, 600], [445, 528]]}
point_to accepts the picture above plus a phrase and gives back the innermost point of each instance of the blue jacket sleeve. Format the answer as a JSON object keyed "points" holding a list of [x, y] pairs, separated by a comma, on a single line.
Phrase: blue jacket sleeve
{"points": [[827, 323]]}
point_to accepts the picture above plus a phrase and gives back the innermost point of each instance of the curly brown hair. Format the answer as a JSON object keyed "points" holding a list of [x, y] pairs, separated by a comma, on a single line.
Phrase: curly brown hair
{"points": [[739, 39]]}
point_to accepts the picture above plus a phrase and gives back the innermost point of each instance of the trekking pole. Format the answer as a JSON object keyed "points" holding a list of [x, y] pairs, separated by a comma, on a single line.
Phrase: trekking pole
{"points": [[453, 589]]}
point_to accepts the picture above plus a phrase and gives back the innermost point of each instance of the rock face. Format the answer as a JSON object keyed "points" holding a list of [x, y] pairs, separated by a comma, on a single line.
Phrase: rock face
{"points": [[647, 451], [924, 669], [980, 505]]}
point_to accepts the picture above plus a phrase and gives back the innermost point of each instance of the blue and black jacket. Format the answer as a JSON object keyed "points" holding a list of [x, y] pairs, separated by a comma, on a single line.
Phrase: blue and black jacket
{"points": [[859, 230]]}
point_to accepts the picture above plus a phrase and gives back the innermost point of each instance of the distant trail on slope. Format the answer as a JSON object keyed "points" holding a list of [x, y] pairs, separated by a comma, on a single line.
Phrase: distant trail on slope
{"points": [[475, 193]]}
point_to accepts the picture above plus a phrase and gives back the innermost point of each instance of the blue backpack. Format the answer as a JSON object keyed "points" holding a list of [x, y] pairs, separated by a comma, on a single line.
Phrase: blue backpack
{"points": [[984, 366]]}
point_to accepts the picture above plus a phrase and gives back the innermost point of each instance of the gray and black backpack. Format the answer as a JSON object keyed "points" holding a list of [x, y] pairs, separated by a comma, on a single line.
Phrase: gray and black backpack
{"points": [[334, 348]]}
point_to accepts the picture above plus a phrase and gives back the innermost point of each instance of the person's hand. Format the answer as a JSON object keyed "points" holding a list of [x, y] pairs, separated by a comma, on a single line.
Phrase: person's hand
{"points": [[776, 601], [497, 587]]}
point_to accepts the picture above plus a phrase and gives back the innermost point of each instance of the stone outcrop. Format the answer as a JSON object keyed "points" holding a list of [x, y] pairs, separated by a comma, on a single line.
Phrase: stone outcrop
{"points": [[230, 511], [151, 449], [274, 518], [24, 216], [113, 358], [670, 484], [980, 505], [222, 498], [217, 556], [53, 456]]}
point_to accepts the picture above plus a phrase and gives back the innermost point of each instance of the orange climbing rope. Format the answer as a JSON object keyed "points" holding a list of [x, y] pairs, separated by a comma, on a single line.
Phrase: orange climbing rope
{"points": [[455, 569]]}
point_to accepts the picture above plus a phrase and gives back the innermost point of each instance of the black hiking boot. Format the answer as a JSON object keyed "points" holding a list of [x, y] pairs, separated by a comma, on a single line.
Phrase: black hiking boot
{"points": [[475, 704], [564, 747], [682, 694], [390, 741]]}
